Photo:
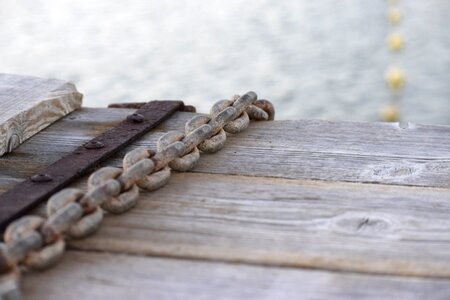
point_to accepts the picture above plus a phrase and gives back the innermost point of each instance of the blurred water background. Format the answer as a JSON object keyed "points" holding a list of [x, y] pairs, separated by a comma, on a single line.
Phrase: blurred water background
{"points": [[321, 59]]}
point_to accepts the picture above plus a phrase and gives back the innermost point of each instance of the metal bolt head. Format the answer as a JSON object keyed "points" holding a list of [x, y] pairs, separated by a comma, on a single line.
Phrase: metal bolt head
{"points": [[94, 145], [41, 178], [135, 118]]}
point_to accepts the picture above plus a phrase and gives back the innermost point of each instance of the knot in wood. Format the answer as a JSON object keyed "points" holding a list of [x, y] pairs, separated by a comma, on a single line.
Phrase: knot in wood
{"points": [[363, 224]]}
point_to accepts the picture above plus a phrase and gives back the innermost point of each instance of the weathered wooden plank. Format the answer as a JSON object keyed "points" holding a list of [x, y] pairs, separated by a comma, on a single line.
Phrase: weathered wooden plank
{"points": [[342, 226], [335, 151], [83, 275], [29, 104], [83, 160], [338, 151], [336, 226]]}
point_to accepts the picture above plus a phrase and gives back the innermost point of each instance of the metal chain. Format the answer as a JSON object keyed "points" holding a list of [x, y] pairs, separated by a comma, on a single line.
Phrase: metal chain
{"points": [[33, 242]]}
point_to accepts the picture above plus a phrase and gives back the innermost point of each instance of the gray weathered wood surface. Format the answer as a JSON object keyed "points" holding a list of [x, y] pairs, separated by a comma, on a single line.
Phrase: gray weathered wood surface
{"points": [[293, 223], [288, 209], [323, 150], [29, 104], [87, 275]]}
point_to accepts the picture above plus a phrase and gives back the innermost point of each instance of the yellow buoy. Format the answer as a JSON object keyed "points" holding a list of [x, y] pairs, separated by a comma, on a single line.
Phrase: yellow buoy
{"points": [[390, 113], [393, 1], [395, 78], [394, 16], [395, 41]]}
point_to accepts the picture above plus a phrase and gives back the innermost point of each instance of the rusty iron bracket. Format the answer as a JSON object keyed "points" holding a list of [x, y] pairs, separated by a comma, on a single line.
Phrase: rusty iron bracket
{"points": [[137, 105], [38, 188]]}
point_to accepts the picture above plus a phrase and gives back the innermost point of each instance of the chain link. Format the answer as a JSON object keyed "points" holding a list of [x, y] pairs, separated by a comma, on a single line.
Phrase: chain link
{"points": [[237, 125], [37, 243], [115, 204], [191, 154], [9, 284], [149, 182], [87, 222], [210, 141], [261, 110], [26, 243]]}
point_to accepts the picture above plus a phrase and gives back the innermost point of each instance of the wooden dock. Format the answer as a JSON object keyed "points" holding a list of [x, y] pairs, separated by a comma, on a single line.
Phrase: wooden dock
{"points": [[287, 210]]}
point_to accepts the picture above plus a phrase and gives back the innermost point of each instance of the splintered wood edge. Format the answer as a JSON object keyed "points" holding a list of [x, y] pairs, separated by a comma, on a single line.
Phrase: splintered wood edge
{"points": [[56, 104]]}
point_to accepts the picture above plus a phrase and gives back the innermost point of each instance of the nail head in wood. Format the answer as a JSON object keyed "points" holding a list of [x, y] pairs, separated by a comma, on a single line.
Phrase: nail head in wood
{"points": [[94, 145], [136, 118], [41, 178]]}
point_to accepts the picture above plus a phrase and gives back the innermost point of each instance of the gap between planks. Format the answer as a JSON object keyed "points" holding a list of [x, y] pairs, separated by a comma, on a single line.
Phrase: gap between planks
{"points": [[330, 234], [292, 223], [117, 276], [319, 150]]}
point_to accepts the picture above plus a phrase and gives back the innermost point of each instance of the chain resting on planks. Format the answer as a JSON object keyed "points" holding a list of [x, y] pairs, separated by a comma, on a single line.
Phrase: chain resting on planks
{"points": [[26, 195], [33, 242]]}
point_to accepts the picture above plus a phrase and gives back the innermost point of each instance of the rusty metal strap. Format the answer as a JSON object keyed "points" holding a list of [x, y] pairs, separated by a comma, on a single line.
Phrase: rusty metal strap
{"points": [[28, 194]]}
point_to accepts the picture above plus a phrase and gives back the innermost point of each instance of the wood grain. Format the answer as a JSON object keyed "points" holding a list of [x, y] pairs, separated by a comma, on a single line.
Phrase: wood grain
{"points": [[338, 151], [282, 216], [29, 104], [336, 226], [322, 150], [84, 275]]}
